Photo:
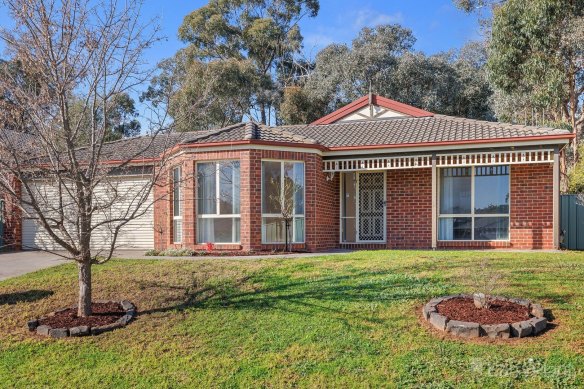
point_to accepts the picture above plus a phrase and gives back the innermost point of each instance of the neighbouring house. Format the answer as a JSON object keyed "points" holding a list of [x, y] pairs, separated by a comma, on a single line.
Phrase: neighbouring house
{"points": [[374, 174], [10, 213]]}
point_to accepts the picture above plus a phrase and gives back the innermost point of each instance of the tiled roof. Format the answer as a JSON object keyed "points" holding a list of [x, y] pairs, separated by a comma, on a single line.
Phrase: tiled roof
{"points": [[395, 131], [140, 147], [250, 131], [410, 130]]}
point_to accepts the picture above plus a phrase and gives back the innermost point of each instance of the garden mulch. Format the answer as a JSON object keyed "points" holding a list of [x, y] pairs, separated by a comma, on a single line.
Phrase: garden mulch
{"points": [[102, 314], [463, 309]]}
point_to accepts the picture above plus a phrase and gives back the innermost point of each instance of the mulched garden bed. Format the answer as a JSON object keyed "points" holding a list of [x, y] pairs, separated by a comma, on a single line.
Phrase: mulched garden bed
{"points": [[103, 313], [463, 309], [221, 253]]}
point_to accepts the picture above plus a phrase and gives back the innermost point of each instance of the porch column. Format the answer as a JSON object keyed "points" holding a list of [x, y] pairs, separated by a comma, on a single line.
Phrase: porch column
{"points": [[434, 203], [556, 198]]}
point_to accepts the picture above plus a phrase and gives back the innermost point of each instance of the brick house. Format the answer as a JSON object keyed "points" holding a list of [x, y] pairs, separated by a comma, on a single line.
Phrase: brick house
{"points": [[374, 174]]}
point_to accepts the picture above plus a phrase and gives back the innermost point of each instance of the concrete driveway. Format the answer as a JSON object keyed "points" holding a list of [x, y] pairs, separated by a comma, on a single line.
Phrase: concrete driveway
{"points": [[18, 263]]}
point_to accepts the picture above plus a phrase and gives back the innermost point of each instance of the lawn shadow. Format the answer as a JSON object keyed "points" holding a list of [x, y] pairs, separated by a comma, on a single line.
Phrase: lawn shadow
{"points": [[26, 296], [303, 296]]}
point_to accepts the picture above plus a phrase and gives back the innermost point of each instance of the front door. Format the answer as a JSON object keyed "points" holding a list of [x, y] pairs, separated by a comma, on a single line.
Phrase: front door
{"points": [[371, 207]]}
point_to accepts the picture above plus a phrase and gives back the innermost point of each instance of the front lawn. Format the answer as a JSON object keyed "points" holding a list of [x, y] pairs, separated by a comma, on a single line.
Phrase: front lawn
{"points": [[348, 320]]}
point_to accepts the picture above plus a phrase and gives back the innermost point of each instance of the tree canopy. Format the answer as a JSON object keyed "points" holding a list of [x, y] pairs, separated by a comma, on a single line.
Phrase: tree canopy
{"points": [[231, 63], [383, 58]]}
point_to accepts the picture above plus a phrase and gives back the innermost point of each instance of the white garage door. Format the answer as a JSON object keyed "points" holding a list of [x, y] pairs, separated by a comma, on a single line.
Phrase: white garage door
{"points": [[137, 234]]}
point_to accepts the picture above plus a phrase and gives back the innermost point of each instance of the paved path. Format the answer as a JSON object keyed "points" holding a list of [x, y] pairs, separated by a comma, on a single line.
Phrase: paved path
{"points": [[18, 263]]}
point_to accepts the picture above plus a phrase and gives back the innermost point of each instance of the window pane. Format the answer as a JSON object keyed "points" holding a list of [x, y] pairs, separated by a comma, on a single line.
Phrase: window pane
{"points": [[206, 190], [455, 191], [272, 229], [349, 229], [236, 187], [271, 181], [294, 185], [177, 230], [455, 228], [218, 230], [298, 229], [492, 189], [176, 192], [225, 188], [491, 228], [349, 206]]}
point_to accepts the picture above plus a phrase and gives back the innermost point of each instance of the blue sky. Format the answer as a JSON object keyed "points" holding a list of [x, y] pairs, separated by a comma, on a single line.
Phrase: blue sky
{"points": [[437, 24]]}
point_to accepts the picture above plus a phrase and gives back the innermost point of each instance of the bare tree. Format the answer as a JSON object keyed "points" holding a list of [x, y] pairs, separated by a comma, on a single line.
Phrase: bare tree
{"points": [[284, 201], [485, 281], [81, 55]]}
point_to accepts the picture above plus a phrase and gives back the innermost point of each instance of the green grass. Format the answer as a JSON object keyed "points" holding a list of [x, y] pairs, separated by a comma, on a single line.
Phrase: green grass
{"points": [[333, 321]]}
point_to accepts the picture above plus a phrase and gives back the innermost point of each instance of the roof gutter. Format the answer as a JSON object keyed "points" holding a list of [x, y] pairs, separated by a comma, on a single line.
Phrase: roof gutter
{"points": [[454, 143]]}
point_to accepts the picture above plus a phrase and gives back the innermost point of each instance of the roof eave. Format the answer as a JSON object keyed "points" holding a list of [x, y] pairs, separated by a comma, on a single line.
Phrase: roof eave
{"points": [[518, 140]]}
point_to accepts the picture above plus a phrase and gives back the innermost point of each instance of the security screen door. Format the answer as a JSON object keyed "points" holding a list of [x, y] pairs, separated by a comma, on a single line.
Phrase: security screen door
{"points": [[371, 207]]}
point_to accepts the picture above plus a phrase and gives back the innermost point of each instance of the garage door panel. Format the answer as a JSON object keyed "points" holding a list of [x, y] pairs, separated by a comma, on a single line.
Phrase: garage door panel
{"points": [[138, 233]]}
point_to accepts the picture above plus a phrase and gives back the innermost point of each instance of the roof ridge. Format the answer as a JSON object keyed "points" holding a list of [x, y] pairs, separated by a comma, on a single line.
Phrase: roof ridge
{"points": [[251, 131], [215, 132], [298, 137]]}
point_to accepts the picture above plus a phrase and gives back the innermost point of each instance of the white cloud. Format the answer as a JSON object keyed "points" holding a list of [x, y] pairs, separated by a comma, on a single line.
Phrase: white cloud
{"points": [[371, 18]]}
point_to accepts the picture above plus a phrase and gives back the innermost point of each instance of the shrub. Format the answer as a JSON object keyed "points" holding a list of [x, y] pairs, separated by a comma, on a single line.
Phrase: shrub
{"points": [[485, 282]]}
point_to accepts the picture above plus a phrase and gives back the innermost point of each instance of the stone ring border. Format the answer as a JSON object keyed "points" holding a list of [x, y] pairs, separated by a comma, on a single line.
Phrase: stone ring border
{"points": [[465, 329], [128, 307]]}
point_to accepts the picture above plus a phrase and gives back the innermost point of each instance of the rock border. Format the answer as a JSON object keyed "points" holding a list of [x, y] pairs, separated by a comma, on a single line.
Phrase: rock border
{"points": [[57, 333], [464, 329]]}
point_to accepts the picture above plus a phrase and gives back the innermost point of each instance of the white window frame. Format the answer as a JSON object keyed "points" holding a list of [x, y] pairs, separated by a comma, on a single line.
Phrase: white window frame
{"points": [[177, 219], [278, 215], [472, 215], [217, 214], [357, 211]]}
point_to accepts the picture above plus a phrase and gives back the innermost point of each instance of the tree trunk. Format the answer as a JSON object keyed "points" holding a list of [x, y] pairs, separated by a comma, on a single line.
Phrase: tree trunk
{"points": [[84, 305], [286, 235], [263, 113]]}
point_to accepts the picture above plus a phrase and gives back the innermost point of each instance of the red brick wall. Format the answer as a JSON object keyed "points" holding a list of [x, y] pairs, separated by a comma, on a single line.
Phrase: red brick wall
{"points": [[321, 208], [409, 209], [532, 206], [12, 221], [409, 197]]}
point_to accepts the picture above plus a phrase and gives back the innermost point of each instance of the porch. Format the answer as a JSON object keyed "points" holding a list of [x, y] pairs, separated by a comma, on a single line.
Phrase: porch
{"points": [[481, 199]]}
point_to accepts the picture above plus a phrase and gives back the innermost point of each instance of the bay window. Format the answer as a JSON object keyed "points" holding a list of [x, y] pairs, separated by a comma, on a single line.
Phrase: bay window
{"points": [[218, 202], [176, 206], [282, 198], [474, 203]]}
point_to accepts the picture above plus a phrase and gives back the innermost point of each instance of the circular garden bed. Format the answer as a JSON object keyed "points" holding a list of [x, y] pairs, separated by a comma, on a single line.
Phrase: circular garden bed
{"points": [[505, 318], [106, 316]]}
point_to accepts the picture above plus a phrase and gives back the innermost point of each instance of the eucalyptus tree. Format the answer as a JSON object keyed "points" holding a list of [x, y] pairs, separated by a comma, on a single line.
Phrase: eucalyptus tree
{"points": [[243, 42], [382, 59], [536, 60]]}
